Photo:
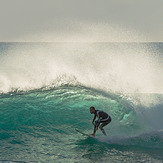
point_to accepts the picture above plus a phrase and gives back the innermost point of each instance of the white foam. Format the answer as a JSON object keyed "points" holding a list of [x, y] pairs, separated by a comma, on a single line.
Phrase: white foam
{"points": [[116, 68]]}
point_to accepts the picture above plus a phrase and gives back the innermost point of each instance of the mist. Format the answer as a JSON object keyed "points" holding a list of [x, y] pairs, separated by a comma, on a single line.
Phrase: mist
{"points": [[116, 67]]}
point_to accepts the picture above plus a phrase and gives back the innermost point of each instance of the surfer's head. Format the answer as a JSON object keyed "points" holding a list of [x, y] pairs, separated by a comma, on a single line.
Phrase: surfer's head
{"points": [[92, 110]]}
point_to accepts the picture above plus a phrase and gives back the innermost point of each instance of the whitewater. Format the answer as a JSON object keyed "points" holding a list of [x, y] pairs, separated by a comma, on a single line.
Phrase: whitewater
{"points": [[46, 90]]}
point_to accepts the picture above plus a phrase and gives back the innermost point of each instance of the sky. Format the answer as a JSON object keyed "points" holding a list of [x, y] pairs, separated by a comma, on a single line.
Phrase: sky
{"points": [[81, 20]]}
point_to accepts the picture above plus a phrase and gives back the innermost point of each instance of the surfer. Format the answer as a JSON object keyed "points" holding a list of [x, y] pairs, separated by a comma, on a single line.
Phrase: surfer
{"points": [[103, 118]]}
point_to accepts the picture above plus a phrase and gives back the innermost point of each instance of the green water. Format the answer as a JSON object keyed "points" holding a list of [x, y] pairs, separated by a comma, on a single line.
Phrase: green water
{"points": [[39, 126]]}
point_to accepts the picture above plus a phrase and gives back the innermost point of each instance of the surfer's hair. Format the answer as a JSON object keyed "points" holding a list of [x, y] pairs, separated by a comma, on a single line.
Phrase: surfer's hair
{"points": [[92, 107]]}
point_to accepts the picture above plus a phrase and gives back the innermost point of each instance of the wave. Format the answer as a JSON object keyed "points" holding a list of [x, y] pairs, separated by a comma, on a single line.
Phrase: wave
{"points": [[42, 122], [128, 118], [112, 67], [47, 89]]}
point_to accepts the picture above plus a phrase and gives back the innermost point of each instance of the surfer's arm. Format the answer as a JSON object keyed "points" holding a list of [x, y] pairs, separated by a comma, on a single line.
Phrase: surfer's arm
{"points": [[93, 119], [98, 121], [97, 124]]}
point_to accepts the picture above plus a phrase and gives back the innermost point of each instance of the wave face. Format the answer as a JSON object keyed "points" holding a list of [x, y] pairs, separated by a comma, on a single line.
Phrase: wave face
{"points": [[45, 95]]}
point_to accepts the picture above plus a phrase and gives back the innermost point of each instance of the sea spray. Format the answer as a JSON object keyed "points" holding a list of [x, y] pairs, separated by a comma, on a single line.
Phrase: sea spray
{"points": [[114, 67]]}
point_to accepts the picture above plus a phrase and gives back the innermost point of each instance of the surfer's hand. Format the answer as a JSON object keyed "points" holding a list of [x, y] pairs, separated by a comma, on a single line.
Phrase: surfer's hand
{"points": [[96, 128], [93, 123]]}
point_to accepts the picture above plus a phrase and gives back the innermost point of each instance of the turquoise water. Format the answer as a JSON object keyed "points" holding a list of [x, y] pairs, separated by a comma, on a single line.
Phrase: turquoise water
{"points": [[40, 110]]}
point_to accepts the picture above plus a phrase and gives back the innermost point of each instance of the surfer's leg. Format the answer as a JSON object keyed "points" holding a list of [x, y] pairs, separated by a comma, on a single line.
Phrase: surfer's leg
{"points": [[94, 131], [95, 126], [104, 124], [101, 128]]}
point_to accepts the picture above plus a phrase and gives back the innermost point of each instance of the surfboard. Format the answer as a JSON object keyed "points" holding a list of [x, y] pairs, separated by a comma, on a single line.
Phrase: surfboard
{"points": [[84, 133]]}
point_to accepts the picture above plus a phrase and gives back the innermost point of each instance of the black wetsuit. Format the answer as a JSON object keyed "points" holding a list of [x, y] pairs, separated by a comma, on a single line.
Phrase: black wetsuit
{"points": [[103, 118]]}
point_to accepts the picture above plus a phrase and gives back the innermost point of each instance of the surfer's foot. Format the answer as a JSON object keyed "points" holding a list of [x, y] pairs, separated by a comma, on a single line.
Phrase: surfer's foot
{"points": [[92, 134]]}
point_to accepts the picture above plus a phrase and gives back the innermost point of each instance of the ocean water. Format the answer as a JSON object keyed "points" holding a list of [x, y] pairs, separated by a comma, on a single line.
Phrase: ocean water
{"points": [[46, 90]]}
